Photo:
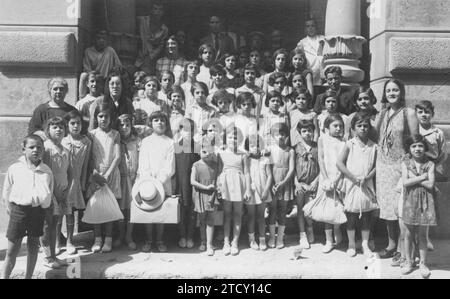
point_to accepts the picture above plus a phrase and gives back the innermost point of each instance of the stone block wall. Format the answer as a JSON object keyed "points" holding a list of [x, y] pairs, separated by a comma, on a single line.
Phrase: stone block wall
{"points": [[409, 39]]}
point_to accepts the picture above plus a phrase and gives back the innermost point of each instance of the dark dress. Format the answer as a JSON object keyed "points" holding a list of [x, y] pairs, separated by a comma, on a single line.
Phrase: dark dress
{"points": [[183, 166], [418, 201], [44, 112], [206, 174]]}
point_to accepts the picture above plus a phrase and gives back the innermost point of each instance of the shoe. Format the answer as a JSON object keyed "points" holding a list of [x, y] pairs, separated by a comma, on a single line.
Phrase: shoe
{"points": [[366, 251], [424, 271], [271, 242], [131, 245], [58, 250], [209, 251], [407, 268], [202, 247], [351, 252], [254, 245], [396, 256], [161, 246], [304, 244], [51, 263], [70, 249], [190, 243], [430, 246], [226, 248], [310, 235], [147, 246], [97, 247], [327, 248], [262, 244], [107, 246], [398, 262], [182, 243], [234, 249], [280, 244], [386, 254]]}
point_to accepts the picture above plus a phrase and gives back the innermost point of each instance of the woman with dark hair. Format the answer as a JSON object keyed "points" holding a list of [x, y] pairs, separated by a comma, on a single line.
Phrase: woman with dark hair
{"points": [[394, 124]]}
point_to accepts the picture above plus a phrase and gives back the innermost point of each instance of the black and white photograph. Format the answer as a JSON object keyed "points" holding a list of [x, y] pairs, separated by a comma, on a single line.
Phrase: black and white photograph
{"points": [[224, 144]]}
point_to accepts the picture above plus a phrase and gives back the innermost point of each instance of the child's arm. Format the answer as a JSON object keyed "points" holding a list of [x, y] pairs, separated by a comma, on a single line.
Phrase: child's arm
{"points": [[248, 181], [429, 183], [408, 182], [116, 159], [413, 122], [7, 185], [322, 168], [269, 181], [166, 172], [84, 170], [309, 84], [341, 165], [317, 129], [196, 184]]}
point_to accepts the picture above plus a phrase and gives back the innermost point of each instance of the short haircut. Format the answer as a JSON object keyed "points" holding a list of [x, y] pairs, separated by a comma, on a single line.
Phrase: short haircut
{"points": [[176, 89], [298, 51], [73, 114], [334, 70], [190, 62], [127, 117], [273, 94], [154, 79], [416, 138], [280, 128], [203, 47], [252, 67], [35, 137], [306, 123], [360, 117], [278, 52], [139, 75], [166, 72], [58, 80], [400, 85], [158, 115], [330, 94], [425, 105], [98, 77], [302, 91], [332, 118], [243, 97], [221, 94], [294, 74], [55, 121], [200, 85], [366, 90], [276, 75], [217, 69]]}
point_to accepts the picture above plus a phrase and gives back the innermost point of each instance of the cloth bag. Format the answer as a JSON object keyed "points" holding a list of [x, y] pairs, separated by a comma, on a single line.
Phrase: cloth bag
{"points": [[102, 207], [325, 208]]}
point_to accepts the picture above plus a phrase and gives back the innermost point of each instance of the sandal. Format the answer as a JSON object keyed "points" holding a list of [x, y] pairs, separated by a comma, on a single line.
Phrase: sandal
{"points": [[161, 246]]}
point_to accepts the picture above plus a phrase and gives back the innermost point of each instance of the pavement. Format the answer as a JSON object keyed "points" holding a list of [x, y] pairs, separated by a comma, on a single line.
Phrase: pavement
{"points": [[249, 264]]}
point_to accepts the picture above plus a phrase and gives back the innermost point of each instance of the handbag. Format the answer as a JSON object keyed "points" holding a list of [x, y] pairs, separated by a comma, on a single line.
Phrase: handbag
{"points": [[325, 209]]}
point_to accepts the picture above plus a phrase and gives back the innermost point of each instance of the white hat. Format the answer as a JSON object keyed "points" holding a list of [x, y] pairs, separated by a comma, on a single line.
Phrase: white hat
{"points": [[151, 192]]}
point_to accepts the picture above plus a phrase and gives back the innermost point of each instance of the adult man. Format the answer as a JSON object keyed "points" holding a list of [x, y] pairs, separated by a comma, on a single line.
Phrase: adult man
{"points": [[172, 61], [312, 44], [346, 96], [221, 41]]}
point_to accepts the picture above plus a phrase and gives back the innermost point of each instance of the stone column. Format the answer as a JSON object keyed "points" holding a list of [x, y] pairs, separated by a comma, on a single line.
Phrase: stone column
{"points": [[343, 43], [121, 23]]}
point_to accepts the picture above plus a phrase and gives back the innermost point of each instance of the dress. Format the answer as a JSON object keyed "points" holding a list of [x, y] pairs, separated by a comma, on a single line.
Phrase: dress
{"points": [[184, 159], [418, 201], [58, 161], [128, 167], [206, 174], [280, 160], [388, 166], [360, 161], [306, 163], [103, 155], [259, 177], [232, 180], [79, 154]]}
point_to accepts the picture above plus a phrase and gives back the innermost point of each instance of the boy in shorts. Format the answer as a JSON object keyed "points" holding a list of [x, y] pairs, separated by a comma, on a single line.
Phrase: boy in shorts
{"points": [[27, 192]]}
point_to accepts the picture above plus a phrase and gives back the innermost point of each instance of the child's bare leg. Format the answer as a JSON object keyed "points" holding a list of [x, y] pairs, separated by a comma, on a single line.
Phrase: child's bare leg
{"points": [[149, 236], [392, 238], [260, 220], [282, 209], [33, 249], [182, 225], [227, 210], [58, 227], [423, 248], [272, 221], [337, 234], [237, 221], [70, 222], [191, 221], [351, 223], [365, 232], [11, 256], [202, 218], [48, 238], [407, 245], [329, 238], [159, 237], [401, 239], [300, 216], [429, 243], [209, 232], [122, 225], [107, 245], [251, 218], [82, 88]]}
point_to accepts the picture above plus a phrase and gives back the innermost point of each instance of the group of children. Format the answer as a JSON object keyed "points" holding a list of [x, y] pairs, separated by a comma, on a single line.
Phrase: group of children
{"points": [[237, 142]]}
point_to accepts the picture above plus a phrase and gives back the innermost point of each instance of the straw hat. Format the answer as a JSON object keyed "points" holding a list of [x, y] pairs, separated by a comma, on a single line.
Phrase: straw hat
{"points": [[151, 192]]}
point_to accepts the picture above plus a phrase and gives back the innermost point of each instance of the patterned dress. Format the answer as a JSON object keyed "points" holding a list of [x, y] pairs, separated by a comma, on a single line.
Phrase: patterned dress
{"points": [[206, 174], [418, 201], [388, 166], [259, 177], [280, 159], [79, 154], [306, 164], [128, 167]]}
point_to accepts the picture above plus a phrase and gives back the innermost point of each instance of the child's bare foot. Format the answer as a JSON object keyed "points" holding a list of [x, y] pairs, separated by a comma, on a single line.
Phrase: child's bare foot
{"points": [[190, 243], [182, 243], [210, 251]]}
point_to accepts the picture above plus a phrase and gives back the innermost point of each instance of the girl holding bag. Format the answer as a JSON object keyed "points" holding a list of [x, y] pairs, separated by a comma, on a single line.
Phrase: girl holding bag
{"points": [[357, 163], [327, 206]]}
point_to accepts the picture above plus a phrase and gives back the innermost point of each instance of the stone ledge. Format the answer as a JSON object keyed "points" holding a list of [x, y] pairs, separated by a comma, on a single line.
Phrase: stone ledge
{"points": [[37, 48], [430, 55]]}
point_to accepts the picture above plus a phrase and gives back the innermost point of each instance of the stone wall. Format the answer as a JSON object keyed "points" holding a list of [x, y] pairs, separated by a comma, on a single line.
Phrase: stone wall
{"points": [[409, 39]]}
